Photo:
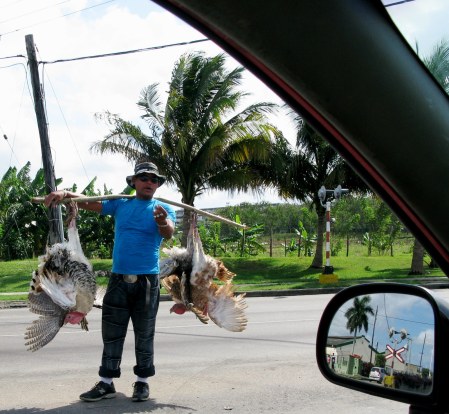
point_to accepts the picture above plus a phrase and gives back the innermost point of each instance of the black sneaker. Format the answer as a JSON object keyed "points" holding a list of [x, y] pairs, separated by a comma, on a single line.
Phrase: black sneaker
{"points": [[141, 391], [98, 392]]}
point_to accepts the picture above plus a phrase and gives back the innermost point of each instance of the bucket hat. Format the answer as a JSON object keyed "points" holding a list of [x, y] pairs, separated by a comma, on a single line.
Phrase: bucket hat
{"points": [[145, 168]]}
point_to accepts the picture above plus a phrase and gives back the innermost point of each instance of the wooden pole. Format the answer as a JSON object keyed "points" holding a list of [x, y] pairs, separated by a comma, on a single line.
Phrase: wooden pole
{"points": [[56, 231], [164, 200]]}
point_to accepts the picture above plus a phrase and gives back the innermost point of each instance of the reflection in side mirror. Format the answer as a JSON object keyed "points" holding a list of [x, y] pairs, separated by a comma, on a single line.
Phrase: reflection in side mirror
{"points": [[384, 339]]}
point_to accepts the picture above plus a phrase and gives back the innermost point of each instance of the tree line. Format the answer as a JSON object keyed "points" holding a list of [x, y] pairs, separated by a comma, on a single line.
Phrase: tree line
{"points": [[365, 218]]}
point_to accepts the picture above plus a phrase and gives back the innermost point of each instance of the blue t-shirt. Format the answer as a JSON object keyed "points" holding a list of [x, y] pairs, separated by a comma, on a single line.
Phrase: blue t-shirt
{"points": [[137, 239]]}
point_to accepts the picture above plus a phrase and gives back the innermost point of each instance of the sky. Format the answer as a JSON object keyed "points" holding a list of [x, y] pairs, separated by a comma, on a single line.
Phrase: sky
{"points": [[75, 91]]}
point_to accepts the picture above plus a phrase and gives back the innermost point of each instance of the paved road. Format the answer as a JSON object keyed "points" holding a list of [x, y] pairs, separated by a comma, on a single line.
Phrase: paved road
{"points": [[269, 368]]}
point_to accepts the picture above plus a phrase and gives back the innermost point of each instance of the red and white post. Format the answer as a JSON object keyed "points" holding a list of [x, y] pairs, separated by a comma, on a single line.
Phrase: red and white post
{"points": [[328, 272], [328, 269]]}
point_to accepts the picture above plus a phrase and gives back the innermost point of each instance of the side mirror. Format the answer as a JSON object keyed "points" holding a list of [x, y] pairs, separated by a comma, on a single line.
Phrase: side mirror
{"points": [[387, 340]]}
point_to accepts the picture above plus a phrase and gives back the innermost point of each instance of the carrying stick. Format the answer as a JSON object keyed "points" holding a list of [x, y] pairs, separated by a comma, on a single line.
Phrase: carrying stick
{"points": [[164, 200]]}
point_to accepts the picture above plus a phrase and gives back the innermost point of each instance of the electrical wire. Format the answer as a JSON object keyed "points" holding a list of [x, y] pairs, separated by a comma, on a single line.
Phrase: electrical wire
{"points": [[126, 52], [396, 3], [65, 121], [5, 136], [12, 57], [33, 11], [385, 309], [11, 4], [10, 66], [25, 82], [54, 18]]}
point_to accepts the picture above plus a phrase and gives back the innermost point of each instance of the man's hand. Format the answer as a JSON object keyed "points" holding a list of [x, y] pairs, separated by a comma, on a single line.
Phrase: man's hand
{"points": [[54, 198], [164, 224]]}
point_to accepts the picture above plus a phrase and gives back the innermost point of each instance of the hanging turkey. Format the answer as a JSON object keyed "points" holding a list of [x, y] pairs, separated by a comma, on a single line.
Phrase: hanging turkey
{"points": [[187, 275], [62, 289]]}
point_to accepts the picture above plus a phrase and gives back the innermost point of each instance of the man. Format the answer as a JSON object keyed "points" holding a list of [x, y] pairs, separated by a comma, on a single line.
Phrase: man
{"points": [[141, 224]]}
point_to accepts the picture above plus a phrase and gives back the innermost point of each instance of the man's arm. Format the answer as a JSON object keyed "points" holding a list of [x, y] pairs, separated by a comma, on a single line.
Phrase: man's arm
{"points": [[55, 197]]}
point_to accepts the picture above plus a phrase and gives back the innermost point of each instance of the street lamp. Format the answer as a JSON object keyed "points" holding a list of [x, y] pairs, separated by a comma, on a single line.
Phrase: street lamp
{"points": [[326, 198]]}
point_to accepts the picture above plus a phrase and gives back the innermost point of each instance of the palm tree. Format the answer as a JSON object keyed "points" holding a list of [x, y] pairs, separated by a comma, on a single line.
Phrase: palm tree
{"points": [[197, 138], [357, 316], [300, 173], [438, 64]]}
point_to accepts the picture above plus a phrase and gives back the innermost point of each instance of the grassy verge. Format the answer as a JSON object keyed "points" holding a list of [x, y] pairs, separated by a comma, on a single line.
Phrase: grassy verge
{"points": [[258, 273], [295, 273]]}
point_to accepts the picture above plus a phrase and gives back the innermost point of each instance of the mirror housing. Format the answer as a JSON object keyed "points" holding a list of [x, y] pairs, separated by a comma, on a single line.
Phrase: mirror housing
{"points": [[435, 400]]}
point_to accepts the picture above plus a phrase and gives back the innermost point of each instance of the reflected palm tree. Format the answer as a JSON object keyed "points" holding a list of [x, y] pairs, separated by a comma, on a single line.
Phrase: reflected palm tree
{"points": [[357, 316]]}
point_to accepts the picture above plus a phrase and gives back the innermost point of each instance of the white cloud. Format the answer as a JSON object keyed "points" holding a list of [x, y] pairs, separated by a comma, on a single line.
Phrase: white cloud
{"points": [[75, 91]]}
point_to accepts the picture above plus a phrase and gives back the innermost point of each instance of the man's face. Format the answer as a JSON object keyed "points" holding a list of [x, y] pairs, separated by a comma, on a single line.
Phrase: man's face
{"points": [[146, 185]]}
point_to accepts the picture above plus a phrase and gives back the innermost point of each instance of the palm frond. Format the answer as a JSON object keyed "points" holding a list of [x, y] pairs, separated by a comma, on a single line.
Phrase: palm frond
{"points": [[150, 103], [438, 63]]}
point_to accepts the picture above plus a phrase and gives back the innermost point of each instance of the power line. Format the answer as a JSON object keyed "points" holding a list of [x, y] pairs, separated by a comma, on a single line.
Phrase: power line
{"points": [[18, 115], [11, 65], [33, 11], [54, 18], [126, 52], [397, 3], [12, 57], [65, 121], [11, 4]]}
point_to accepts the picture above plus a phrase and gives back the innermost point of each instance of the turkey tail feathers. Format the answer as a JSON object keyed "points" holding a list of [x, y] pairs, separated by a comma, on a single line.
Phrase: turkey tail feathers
{"points": [[43, 330], [228, 311]]}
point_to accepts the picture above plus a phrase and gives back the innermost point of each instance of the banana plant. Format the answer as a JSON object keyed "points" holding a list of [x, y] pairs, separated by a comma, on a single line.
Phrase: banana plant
{"points": [[246, 240]]}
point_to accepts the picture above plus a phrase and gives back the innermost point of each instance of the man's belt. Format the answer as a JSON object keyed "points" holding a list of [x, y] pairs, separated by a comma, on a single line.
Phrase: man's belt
{"points": [[127, 278], [130, 278]]}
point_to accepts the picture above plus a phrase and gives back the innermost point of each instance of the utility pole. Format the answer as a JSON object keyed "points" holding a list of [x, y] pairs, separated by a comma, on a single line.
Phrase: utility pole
{"points": [[422, 352], [372, 339], [56, 232]]}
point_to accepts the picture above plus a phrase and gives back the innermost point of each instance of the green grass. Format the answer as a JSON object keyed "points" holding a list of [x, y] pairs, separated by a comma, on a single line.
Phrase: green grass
{"points": [[295, 272], [258, 273]]}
